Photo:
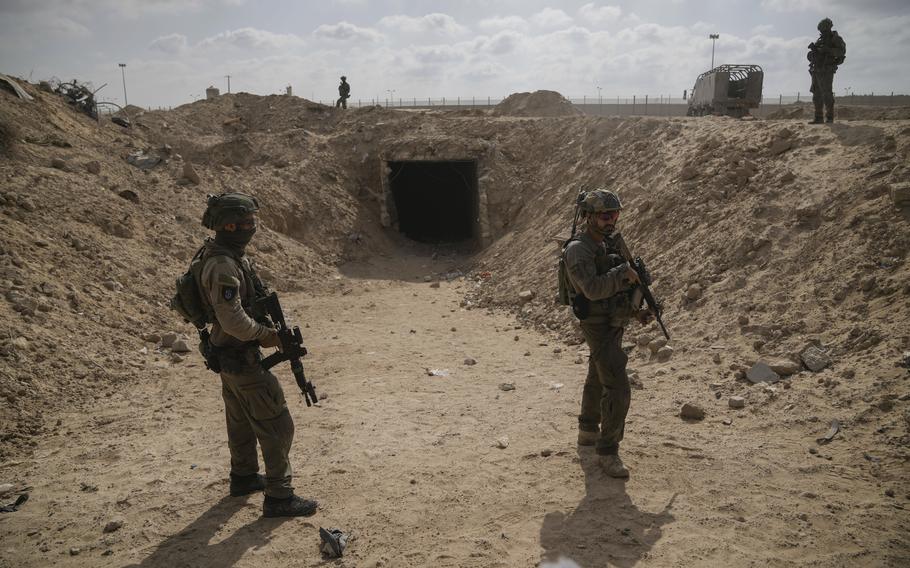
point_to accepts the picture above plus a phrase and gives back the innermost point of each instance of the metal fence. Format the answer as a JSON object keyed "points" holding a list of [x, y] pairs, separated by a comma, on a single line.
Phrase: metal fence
{"points": [[637, 105]]}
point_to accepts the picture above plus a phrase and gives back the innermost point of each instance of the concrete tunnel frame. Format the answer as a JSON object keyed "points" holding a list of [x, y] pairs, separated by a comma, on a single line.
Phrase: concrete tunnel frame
{"points": [[464, 172]]}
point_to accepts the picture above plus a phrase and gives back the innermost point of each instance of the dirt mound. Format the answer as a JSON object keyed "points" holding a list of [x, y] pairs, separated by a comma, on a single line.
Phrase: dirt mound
{"points": [[843, 112], [538, 103]]}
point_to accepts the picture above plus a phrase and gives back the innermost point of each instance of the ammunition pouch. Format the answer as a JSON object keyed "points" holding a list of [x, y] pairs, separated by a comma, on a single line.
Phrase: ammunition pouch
{"points": [[234, 360], [581, 306]]}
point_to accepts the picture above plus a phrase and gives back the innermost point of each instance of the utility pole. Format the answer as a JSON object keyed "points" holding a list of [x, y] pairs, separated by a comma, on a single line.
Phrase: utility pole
{"points": [[123, 75], [229, 83], [600, 99], [713, 38]]}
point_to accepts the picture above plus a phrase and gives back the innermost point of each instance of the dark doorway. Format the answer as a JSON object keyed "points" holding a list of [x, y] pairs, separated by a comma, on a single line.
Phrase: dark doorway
{"points": [[435, 202]]}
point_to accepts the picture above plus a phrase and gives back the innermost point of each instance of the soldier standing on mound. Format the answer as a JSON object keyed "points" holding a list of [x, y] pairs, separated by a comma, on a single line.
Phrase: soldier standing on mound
{"points": [[825, 54], [344, 93]]}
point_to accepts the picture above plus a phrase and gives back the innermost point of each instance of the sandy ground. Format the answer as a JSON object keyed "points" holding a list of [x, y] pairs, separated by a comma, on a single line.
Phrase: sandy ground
{"points": [[408, 462]]}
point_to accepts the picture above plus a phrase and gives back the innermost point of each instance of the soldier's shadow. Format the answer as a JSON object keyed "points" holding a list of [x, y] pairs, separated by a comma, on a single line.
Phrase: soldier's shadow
{"points": [[605, 529], [191, 547]]}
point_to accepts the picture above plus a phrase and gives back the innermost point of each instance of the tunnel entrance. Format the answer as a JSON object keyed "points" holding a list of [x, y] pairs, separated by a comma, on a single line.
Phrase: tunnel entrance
{"points": [[435, 202]]}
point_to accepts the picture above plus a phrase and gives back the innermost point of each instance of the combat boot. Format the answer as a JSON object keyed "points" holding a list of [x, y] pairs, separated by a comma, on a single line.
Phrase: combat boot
{"points": [[829, 119], [819, 119], [586, 438], [293, 506], [246, 484], [613, 466]]}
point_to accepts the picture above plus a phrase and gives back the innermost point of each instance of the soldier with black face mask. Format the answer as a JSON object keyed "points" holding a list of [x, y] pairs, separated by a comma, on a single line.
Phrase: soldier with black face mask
{"points": [[254, 403]]}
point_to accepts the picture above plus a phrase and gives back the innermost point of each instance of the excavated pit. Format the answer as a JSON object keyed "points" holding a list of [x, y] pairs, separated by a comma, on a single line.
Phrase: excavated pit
{"points": [[435, 201]]}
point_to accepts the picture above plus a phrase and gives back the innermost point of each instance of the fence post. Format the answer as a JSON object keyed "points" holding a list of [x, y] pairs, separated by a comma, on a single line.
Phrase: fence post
{"points": [[780, 100], [633, 104], [488, 101], [584, 100], [473, 102], [443, 101]]}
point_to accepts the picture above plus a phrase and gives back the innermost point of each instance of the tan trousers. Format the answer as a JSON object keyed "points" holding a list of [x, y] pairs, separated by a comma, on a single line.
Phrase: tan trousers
{"points": [[255, 411]]}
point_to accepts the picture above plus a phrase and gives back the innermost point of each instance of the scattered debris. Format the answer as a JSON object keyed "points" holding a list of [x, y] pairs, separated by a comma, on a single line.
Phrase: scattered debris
{"points": [[334, 541], [20, 92], [555, 386], [437, 372], [546, 452], [189, 173], [142, 160], [815, 359], [760, 372], [691, 411], [502, 442], [113, 525], [470, 361], [832, 431], [737, 402], [506, 386], [14, 506], [526, 295]]}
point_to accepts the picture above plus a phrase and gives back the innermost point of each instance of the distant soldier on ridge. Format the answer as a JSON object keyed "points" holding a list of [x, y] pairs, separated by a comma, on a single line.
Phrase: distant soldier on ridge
{"points": [[344, 93], [825, 54]]}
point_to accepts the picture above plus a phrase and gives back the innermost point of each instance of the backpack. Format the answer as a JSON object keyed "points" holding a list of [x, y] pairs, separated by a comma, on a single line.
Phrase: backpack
{"points": [[839, 59], [565, 292], [187, 300]]}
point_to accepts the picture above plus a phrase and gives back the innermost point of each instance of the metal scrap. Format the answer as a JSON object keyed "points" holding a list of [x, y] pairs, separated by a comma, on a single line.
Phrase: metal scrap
{"points": [[832, 431], [20, 92]]}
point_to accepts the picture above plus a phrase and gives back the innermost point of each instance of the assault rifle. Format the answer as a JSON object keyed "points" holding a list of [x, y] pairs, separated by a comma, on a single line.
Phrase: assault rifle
{"points": [[644, 277], [292, 348]]}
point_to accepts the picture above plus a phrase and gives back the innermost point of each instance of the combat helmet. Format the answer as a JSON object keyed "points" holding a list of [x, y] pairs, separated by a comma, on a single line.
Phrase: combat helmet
{"points": [[228, 208], [343, 78], [599, 200], [825, 25]]}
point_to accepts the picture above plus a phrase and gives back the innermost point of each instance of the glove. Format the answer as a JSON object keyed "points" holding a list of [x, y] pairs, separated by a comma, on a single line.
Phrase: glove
{"points": [[271, 339]]}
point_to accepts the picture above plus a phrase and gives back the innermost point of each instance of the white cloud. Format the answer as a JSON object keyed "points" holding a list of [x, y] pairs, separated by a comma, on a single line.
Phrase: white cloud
{"points": [[429, 23], [516, 23], [551, 18], [61, 25], [251, 38], [347, 31], [593, 14], [171, 43], [792, 5]]}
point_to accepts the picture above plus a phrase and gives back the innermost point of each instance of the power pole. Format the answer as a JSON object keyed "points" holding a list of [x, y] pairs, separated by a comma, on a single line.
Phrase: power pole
{"points": [[713, 38], [123, 74], [229, 83]]}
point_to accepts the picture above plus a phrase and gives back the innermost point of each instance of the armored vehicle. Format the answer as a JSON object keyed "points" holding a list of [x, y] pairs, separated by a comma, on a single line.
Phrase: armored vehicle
{"points": [[726, 90]]}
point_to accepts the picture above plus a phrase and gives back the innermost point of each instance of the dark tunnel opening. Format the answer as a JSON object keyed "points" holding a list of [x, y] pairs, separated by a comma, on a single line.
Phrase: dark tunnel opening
{"points": [[435, 202]]}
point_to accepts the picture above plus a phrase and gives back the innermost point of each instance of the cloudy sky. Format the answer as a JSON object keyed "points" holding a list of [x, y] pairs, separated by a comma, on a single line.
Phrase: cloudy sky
{"points": [[174, 49]]}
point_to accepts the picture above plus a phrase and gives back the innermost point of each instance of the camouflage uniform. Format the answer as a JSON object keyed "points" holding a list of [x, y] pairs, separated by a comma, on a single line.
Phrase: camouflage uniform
{"points": [[599, 271], [344, 91], [254, 404], [825, 54]]}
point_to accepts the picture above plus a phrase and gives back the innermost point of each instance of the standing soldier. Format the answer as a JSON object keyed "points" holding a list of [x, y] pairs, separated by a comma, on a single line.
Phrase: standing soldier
{"points": [[254, 403], [344, 93], [825, 54], [605, 298]]}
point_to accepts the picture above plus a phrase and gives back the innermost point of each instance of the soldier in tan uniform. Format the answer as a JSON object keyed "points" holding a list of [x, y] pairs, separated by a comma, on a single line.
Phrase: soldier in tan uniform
{"points": [[605, 299], [254, 403]]}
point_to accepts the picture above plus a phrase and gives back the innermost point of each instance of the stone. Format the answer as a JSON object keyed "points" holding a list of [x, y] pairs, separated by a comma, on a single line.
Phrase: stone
{"points": [[900, 194], [113, 525], [785, 367], [168, 339], [579, 361], [644, 340], [113, 285], [760, 372], [664, 354], [6, 488], [657, 344], [177, 358], [815, 359], [502, 443], [778, 147], [694, 292], [180, 346], [434, 284], [470, 361], [151, 338], [19, 343], [691, 411], [737, 402], [688, 172], [716, 358], [59, 164], [93, 167], [189, 173], [526, 295], [506, 386], [546, 453], [743, 320]]}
